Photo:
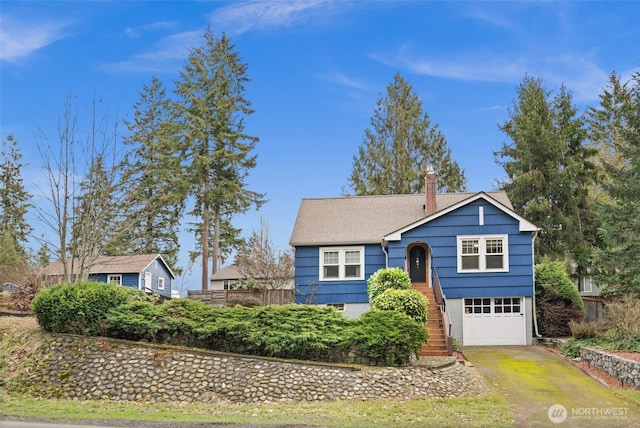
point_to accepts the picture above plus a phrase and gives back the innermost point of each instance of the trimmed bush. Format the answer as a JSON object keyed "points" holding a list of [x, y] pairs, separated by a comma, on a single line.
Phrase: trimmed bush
{"points": [[409, 302], [79, 308], [387, 335], [289, 331], [387, 278], [558, 301]]}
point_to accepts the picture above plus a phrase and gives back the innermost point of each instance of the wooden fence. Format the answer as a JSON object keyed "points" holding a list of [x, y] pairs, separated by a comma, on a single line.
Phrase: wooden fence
{"points": [[233, 297], [594, 307]]}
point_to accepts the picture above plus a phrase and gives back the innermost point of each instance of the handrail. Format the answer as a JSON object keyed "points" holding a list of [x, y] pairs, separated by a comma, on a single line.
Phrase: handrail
{"points": [[441, 302]]}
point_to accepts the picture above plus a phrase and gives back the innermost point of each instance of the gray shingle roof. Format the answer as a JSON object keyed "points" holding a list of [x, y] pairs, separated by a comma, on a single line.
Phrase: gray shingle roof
{"points": [[110, 264], [366, 219]]}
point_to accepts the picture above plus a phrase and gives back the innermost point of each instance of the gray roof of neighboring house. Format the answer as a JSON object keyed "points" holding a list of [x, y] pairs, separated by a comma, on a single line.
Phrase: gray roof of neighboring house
{"points": [[227, 273], [367, 219], [111, 264]]}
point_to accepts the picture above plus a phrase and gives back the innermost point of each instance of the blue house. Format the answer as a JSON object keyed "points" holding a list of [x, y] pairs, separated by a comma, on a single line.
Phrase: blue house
{"points": [[470, 253], [146, 272]]}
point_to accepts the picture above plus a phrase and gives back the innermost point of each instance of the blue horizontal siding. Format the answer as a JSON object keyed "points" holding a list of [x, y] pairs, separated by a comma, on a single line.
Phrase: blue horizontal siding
{"points": [[307, 270], [441, 235]]}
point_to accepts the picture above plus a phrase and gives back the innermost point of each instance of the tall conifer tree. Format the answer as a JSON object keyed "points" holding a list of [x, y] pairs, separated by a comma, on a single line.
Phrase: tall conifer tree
{"points": [[549, 169], [399, 146], [14, 199], [211, 112], [617, 261], [152, 180]]}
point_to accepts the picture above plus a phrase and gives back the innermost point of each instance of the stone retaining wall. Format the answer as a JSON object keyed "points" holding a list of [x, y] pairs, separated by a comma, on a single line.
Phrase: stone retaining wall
{"points": [[97, 368], [628, 371]]}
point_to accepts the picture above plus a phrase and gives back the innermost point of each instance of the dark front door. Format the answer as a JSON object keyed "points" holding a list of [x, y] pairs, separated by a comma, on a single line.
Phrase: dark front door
{"points": [[418, 264]]}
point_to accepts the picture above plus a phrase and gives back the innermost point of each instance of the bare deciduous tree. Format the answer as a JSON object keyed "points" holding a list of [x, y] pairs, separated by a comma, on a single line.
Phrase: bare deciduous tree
{"points": [[261, 261]]}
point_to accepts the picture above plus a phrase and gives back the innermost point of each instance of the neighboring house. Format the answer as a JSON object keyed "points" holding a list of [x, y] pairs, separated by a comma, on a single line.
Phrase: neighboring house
{"points": [[478, 247], [229, 278], [226, 278], [587, 286], [147, 272]]}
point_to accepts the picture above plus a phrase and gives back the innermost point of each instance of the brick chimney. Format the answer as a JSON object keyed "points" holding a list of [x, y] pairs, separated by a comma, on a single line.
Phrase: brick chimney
{"points": [[430, 191]]}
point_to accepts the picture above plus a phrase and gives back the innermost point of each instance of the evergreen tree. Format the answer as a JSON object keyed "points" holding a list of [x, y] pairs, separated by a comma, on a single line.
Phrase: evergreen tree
{"points": [[152, 180], [211, 113], [13, 259], [14, 199], [617, 259], [399, 145], [549, 170], [605, 124]]}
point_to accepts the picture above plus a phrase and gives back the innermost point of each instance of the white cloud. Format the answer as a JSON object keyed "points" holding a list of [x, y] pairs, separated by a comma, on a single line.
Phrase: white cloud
{"points": [[162, 57], [240, 18], [341, 79], [135, 32], [580, 73], [20, 38]]}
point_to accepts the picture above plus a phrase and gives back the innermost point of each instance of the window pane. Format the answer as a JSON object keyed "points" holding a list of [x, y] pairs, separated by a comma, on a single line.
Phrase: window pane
{"points": [[486, 310], [352, 257], [470, 246], [352, 271], [498, 309], [330, 257], [331, 271], [470, 262], [494, 262], [516, 309], [468, 302], [486, 302], [494, 246]]}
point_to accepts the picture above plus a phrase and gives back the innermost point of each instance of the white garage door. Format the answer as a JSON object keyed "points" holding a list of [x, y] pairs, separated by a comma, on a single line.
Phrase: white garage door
{"points": [[493, 321]]}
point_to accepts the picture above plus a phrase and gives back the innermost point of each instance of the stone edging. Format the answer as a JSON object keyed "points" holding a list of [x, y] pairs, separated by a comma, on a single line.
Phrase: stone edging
{"points": [[627, 371], [84, 368]]}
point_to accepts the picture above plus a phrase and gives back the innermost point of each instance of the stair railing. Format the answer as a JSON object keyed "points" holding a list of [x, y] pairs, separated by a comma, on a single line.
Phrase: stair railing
{"points": [[441, 302]]}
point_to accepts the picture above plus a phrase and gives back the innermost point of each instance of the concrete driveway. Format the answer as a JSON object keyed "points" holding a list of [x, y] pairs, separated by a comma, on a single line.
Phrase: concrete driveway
{"points": [[544, 389]]}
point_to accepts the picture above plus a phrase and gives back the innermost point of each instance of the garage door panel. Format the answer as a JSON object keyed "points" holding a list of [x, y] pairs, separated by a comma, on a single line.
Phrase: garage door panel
{"points": [[495, 321]]}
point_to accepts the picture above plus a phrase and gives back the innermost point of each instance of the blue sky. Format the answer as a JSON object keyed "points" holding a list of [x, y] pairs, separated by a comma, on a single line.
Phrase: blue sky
{"points": [[317, 69]]}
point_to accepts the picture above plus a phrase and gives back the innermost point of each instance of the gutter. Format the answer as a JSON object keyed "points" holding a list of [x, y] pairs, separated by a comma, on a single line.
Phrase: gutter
{"points": [[533, 298], [386, 255]]}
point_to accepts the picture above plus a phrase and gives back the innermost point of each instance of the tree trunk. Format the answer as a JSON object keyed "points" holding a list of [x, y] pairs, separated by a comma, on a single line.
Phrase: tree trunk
{"points": [[205, 240]]}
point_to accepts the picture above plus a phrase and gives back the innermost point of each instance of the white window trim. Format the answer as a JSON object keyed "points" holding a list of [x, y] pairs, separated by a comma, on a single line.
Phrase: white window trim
{"points": [[113, 276], [160, 283], [482, 239], [341, 263]]}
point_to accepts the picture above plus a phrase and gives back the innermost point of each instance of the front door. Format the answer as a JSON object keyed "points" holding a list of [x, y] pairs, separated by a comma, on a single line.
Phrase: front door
{"points": [[418, 264]]}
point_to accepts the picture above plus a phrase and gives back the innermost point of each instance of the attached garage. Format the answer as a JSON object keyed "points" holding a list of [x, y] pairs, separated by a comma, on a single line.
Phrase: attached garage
{"points": [[493, 321]]}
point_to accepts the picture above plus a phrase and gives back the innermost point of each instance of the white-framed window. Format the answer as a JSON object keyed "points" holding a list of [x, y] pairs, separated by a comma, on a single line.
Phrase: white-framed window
{"points": [[339, 306], [160, 283], [477, 306], [483, 253], [114, 279], [341, 263], [507, 305]]}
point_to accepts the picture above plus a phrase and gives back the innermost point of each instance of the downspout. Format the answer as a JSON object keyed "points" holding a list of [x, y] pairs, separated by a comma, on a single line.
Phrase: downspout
{"points": [[533, 299], [386, 255]]}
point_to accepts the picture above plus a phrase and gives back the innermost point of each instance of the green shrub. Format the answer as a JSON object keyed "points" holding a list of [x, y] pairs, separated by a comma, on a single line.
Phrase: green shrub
{"points": [[384, 279], [409, 302], [78, 308], [557, 299], [387, 335]]}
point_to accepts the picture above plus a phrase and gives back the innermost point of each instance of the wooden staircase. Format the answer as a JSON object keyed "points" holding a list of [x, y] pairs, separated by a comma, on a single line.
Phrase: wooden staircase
{"points": [[436, 345]]}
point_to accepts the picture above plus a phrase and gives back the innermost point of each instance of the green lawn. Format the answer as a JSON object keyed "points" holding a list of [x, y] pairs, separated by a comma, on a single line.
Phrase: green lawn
{"points": [[484, 411]]}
